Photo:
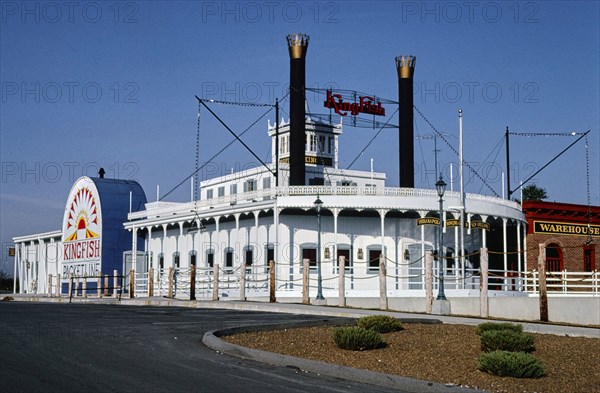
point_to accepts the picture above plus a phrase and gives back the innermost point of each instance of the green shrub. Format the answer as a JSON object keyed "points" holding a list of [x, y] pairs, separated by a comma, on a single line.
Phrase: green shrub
{"points": [[357, 338], [512, 364], [380, 323], [506, 340], [484, 327]]}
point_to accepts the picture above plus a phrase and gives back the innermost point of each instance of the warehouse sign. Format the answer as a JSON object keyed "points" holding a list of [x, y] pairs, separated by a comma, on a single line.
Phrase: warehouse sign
{"points": [[561, 228], [82, 231]]}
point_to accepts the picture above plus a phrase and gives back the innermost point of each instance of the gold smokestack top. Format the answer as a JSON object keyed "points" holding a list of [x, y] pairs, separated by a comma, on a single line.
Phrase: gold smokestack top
{"points": [[297, 44], [405, 66]]}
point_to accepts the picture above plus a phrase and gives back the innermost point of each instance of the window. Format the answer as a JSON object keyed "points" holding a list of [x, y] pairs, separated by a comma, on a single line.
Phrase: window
{"points": [[311, 255], [221, 191], [374, 260], [250, 185], [210, 257], [346, 183], [161, 261], [229, 257], [192, 258], [233, 189], [321, 144], [266, 183], [283, 145], [589, 263], [330, 147], [209, 194], [248, 256], [270, 253], [176, 259], [316, 181], [313, 143], [554, 260], [347, 260]]}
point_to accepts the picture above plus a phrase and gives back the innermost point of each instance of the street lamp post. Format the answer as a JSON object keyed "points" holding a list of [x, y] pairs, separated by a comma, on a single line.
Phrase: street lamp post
{"points": [[440, 185], [318, 203]]}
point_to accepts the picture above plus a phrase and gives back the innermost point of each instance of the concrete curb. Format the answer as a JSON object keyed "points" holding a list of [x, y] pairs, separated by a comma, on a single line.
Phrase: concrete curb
{"points": [[325, 311], [211, 339]]}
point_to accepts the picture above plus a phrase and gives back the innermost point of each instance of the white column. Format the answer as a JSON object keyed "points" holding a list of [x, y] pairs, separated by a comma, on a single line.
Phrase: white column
{"points": [[456, 249], [256, 251], [382, 215], [219, 261], [45, 288], [519, 254], [423, 272], [133, 249], [277, 249], [15, 262], [483, 237], [148, 252], [525, 247], [177, 241], [238, 252], [162, 242], [335, 212], [504, 249]]}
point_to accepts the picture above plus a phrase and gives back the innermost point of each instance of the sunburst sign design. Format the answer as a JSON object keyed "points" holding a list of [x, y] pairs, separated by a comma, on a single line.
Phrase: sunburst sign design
{"points": [[82, 220]]}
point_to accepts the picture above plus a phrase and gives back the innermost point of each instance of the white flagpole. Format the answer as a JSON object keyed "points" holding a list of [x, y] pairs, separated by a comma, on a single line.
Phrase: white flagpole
{"points": [[462, 197]]}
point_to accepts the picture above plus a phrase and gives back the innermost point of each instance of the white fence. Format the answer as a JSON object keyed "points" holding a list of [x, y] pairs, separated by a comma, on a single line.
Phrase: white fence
{"points": [[253, 281]]}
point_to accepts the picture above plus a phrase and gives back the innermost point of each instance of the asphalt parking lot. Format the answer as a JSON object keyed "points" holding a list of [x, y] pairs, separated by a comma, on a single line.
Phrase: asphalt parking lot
{"points": [[114, 348]]}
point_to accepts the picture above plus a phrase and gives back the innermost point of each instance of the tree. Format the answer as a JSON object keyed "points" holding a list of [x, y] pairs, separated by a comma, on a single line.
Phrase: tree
{"points": [[534, 193]]}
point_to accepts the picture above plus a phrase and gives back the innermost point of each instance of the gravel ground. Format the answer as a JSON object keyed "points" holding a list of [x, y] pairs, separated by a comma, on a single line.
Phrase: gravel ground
{"points": [[443, 353]]}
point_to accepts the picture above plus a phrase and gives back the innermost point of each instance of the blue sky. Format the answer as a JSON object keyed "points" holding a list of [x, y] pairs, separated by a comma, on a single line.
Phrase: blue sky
{"points": [[112, 84]]}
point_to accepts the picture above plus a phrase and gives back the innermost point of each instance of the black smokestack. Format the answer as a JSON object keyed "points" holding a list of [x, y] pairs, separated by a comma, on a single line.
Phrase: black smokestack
{"points": [[406, 68], [297, 45]]}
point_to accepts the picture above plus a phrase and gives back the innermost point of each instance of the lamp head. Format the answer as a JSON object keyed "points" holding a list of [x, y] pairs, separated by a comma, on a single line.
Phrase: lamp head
{"points": [[440, 186], [318, 203]]}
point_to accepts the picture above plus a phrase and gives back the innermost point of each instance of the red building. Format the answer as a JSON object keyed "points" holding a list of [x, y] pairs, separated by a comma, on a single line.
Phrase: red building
{"points": [[569, 232]]}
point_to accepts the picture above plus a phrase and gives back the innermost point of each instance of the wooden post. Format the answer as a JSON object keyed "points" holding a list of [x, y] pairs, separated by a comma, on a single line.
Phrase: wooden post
{"points": [[272, 298], [49, 285], [383, 301], [171, 279], [215, 292], [342, 284], [305, 286], [76, 286], [243, 282], [132, 283], [116, 282], [99, 286], [483, 284], [58, 288], [428, 282], [193, 282], [106, 285], [151, 283], [542, 282], [84, 287], [70, 287]]}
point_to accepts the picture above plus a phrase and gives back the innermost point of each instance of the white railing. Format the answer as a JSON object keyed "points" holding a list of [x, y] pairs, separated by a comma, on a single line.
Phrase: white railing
{"points": [[564, 283], [270, 193]]}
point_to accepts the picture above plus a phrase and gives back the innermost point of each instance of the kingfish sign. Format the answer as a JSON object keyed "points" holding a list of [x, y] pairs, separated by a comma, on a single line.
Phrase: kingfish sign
{"points": [[82, 231], [366, 104]]}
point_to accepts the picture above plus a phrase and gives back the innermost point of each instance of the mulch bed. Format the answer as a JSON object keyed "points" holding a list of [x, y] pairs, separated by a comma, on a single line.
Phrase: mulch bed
{"points": [[442, 353]]}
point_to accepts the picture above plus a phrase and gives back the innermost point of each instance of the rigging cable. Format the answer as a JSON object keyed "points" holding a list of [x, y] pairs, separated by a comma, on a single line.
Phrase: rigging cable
{"points": [[499, 147], [456, 152], [216, 155], [372, 139]]}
